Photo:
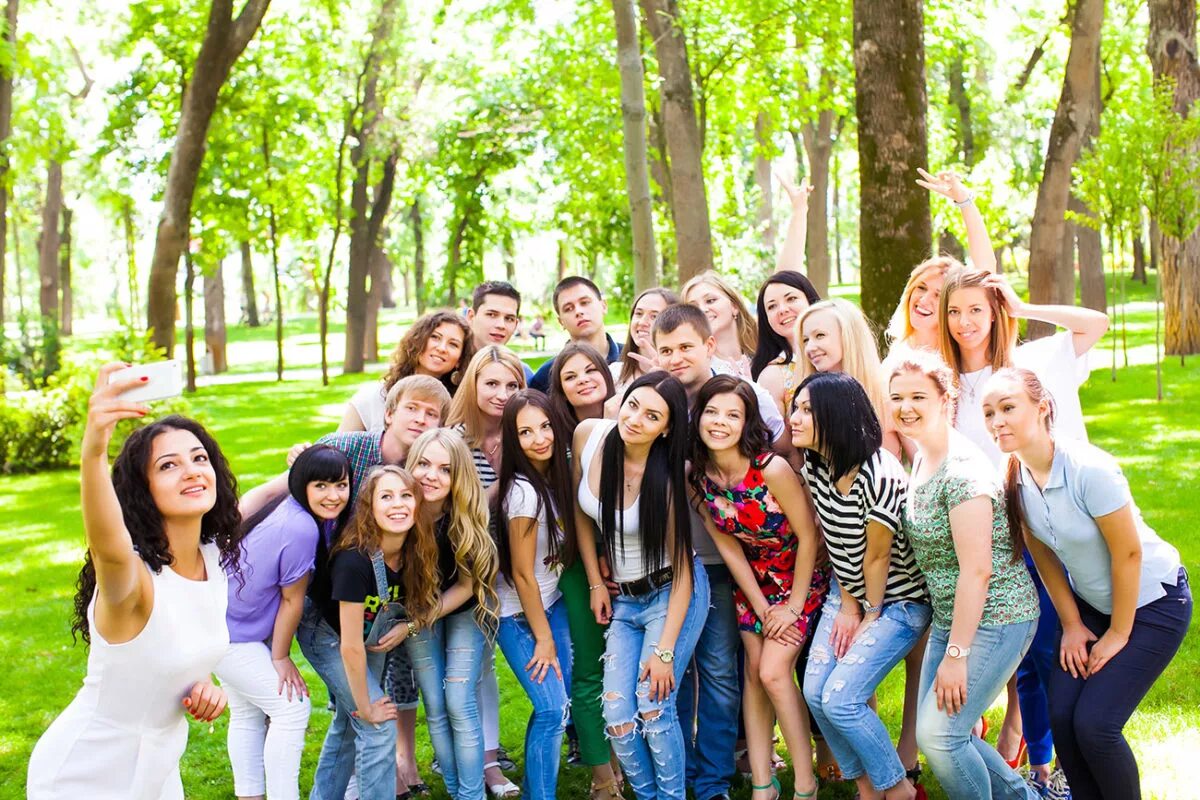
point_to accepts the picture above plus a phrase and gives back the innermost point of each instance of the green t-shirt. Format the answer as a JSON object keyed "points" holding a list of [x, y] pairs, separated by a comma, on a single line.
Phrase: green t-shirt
{"points": [[964, 474]]}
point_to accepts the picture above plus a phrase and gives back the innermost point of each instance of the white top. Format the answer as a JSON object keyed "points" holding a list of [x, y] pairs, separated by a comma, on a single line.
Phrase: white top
{"points": [[521, 502], [1084, 483], [122, 736], [1062, 372], [368, 401], [629, 565]]}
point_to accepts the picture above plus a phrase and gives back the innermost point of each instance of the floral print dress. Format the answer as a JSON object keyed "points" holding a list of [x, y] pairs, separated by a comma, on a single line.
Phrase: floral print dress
{"points": [[751, 514]]}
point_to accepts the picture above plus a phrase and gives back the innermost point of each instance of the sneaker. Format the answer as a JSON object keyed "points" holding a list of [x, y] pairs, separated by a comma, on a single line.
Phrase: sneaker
{"points": [[1057, 787], [1037, 787], [506, 763], [436, 767]]}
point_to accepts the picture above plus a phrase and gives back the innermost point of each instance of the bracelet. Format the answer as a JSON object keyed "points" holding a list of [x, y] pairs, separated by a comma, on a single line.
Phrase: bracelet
{"points": [[966, 201], [795, 613], [594, 587]]}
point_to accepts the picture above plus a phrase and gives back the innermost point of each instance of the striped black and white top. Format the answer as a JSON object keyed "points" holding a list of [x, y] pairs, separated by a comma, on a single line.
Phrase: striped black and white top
{"points": [[487, 475], [876, 495]]}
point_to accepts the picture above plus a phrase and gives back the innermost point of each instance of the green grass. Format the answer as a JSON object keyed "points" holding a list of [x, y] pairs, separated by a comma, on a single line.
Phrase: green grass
{"points": [[40, 669]]}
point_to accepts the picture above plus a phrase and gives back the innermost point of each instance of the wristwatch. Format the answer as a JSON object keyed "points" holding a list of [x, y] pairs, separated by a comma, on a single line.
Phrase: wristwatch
{"points": [[870, 609], [954, 651], [665, 656], [412, 628]]}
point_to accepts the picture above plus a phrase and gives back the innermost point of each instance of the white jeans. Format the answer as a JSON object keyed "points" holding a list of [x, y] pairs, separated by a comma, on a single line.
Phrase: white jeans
{"points": [[265, 759]]}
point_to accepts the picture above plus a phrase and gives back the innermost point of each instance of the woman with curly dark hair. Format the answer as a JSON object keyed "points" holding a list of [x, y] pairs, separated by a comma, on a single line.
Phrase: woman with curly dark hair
{"points": [[438, 344], [162, 531]]}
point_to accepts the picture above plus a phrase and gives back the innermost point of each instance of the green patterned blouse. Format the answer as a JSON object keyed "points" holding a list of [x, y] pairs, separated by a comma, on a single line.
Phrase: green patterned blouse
{"points": [[964, 474]]}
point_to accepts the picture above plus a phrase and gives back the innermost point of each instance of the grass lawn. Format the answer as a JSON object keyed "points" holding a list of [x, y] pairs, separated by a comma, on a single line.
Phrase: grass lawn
{"points": [[40, 669]]}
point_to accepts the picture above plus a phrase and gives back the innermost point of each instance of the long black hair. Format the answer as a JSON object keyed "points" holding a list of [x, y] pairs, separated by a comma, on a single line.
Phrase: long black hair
{"points": [[663, 492], [755, 439], [556, 390], [220, 524], [771, 345], [847, 431], [554, 490]]}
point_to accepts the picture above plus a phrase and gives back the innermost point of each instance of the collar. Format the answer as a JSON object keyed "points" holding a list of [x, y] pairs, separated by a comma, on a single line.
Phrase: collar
{"points": [[1058, 472]]}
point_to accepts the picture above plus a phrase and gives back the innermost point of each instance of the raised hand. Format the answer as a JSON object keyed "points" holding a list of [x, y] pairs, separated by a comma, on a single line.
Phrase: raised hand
{"points": [[947, 184], [798, 195], [106, 408]]}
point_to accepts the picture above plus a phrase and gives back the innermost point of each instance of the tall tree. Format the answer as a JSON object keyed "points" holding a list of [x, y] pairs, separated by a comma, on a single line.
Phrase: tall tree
{"points": [[249, 300], [1171, 47], [763, 151], [633, 119], [689, 206], [215, 337], [64, 273], [7, 68], [895, 228], [1075, 120], [224, 40], [48, 242], [418, 234]]}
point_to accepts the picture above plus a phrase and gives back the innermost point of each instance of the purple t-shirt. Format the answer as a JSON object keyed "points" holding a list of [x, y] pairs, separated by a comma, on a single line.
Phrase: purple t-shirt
{"points": [[278, 552]]}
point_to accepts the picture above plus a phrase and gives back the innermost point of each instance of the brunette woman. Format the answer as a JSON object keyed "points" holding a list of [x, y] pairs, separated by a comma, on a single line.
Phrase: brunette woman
{"points": [[732, 325], [439, 344], [637, 356], [760, 520], [1122, 595], [858, 488], [580, 382], [985, 607], [278, 554], [448, 655], [161, 532], [630, 488]]}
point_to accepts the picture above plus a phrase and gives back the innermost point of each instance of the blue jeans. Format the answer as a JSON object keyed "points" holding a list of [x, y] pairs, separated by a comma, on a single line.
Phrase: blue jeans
{"points": [[352, 745], [967, 767], [447, 660], [837, 691], [1033, 676], [550, 698], [652, 757], [710, 696]]}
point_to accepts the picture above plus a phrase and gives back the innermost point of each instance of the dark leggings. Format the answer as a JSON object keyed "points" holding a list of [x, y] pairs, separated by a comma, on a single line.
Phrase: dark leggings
{"points": [[1087, 715]]}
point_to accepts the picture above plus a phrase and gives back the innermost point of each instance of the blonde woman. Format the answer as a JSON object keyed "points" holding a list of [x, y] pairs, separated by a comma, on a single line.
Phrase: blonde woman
{"points": [[638, 356], [494, 375], [732, 323], [448, 655]]}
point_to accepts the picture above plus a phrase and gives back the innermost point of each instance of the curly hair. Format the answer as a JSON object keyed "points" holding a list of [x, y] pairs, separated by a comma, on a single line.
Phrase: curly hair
{"points": [[467, 512], [418, 554], [412, 344], [220, 524]]}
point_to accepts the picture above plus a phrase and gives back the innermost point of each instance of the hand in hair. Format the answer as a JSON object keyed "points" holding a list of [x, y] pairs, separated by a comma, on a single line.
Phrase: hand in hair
{"points": [[205, 702], [946, 183], [295, 452], [1008, 295]]}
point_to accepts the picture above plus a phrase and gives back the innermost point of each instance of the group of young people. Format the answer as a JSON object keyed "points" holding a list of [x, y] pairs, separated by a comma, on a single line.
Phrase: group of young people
{"points": [[736, 523]]}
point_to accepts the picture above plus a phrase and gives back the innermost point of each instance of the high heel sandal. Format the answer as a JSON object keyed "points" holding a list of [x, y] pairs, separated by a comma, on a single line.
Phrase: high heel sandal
{"points": [[774, 784], [1021, 758], [609, 790], [499, 790]]}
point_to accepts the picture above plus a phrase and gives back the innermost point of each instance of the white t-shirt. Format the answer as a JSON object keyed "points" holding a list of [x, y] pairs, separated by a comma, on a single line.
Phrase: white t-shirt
{"points": [[1062, 372], [368, 401], [522, 502]]}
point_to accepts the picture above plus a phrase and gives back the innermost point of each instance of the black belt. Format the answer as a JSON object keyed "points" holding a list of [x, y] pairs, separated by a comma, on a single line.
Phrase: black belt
{"points": [[655, 580]]}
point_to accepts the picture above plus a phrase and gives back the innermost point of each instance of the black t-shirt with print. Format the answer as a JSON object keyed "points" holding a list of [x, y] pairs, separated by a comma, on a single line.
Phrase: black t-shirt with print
{"points": [[447, 564], [353, 580]]}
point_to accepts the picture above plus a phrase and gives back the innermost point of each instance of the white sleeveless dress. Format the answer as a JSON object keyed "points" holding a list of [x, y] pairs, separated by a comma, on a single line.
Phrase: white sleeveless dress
{"points": [[122, 736]]}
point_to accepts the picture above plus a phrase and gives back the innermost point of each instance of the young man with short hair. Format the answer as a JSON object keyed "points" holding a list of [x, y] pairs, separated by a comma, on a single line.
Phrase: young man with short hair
{"points": [[580, 308], [495, 315]]}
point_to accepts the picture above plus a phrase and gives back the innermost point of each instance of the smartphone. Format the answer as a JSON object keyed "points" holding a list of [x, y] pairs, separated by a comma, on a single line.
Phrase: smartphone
{"points": [[165, 380]]}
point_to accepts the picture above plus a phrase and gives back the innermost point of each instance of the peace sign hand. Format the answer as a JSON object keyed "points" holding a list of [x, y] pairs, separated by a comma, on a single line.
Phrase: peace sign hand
{"points": [[106, 408], [947, 184], [797, 194]]}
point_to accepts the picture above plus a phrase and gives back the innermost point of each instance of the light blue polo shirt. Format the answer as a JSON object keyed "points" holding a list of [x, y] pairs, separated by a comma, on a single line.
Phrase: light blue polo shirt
{"points": [[1085, 482]]}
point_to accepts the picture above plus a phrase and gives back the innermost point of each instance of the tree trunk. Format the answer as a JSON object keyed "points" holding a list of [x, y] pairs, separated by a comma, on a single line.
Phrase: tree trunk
{"points": [[214, 319], [64, 273], [387, 283], [948, 244], [1155, 246], [1172, 50], [1139, 258], [762, 179], [562, 260], [693, 238], [454, 250], [362, 242], [508, 254], [48, 243], [374, 303], [224, 40], [418, 231], [273, 232], [16, 233], [836, 217], [1091, 265], [1064, 276], [633, 120], [895, 229], [131, 270], [818, 146], [249, 300], [6, 107], [960, 101], [1074, 122], [189, 327]]}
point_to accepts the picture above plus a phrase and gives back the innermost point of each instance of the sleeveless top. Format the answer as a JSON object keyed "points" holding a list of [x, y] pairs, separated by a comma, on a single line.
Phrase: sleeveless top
{"points": [[122, 736], [629, 564]]}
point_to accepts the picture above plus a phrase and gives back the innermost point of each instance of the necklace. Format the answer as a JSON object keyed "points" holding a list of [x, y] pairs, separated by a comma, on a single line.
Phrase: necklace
{"points": [[970, 386]]}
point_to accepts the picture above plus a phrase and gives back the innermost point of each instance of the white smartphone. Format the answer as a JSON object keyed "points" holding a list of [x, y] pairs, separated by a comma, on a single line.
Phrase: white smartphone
{"points": [[165, 380]]}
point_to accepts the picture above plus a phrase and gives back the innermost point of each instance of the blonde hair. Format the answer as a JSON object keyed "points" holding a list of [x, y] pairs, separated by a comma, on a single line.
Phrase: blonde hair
{"points": [[418, 554], [744, 323], [900, 327], [423, 389], [464, 409], [474, 550], [931, 365], [1002, 336], [860, 355]]}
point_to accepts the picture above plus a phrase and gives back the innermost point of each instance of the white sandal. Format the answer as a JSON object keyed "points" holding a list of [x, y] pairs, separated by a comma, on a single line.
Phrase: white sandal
{"points": [[506, 789]]}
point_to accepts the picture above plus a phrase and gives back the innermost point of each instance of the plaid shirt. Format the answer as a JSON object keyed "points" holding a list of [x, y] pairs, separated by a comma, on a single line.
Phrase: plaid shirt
{"points": [[363, 450]]}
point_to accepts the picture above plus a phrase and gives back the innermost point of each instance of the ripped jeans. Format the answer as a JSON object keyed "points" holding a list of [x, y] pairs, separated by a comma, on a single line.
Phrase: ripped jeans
{"points": [[651, 752], [447, 659], [837, 691], [550, 697]]}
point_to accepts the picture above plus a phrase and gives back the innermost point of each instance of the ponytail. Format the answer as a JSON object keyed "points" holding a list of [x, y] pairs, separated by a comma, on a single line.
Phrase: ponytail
{"points": [[1013, 508]]}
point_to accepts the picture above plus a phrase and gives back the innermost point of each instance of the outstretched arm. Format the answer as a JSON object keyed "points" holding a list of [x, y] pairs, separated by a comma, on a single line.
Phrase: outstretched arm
{"points": [[979, 244], [791, 257]]}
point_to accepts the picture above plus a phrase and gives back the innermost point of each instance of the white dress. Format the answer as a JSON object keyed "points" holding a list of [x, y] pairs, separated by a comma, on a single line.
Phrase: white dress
{"points": [[122, 736]]}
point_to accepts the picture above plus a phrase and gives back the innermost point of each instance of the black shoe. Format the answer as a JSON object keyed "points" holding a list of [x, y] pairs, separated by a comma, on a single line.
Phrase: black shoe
{"points": [[506, 763], [419, 790], [573, 756], [721, 796]]}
